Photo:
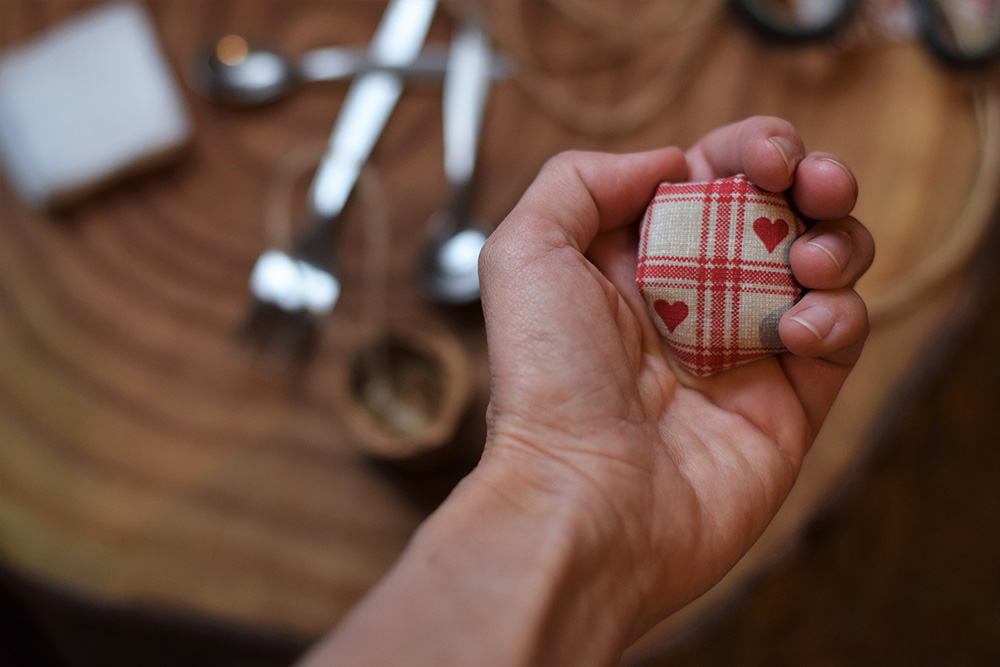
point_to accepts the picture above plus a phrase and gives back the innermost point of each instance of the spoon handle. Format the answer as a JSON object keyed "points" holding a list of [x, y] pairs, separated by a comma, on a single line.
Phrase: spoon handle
{"points": [[337, 63], [369, 102], [466, 88], [332, 63]]}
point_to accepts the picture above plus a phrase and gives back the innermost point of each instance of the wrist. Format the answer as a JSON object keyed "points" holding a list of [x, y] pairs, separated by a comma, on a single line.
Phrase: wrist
{"points": [[549, 562], [569, 538], [520, 565]]}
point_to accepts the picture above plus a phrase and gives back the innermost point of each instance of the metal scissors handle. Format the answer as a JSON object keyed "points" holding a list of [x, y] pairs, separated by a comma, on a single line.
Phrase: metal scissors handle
{"points": [[806, 21], [796, 22], [937, 33]]}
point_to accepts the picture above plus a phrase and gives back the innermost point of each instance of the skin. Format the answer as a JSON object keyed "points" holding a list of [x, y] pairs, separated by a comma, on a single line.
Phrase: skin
{"points": [[615, 487]]}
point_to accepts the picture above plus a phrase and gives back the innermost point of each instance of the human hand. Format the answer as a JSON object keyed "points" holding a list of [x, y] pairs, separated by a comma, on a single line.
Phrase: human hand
{"points": [[615, 487], [679, 474]]}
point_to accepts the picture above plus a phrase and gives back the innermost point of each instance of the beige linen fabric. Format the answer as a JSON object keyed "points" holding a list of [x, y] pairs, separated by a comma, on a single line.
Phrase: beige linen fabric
{"points": [[713, 267]]}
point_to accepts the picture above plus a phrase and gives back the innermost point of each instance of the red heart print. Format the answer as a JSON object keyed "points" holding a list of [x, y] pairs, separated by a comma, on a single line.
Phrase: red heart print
{"points": [[672, 314], [771, 233]]}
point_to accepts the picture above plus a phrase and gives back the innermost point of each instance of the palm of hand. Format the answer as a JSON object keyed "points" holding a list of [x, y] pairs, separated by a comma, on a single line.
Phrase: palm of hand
{"points": [[691, 469], [619, 416]]}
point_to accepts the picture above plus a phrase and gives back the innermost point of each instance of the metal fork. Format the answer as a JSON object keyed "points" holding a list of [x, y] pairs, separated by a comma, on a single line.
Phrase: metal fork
{"points": [[295, 288]]}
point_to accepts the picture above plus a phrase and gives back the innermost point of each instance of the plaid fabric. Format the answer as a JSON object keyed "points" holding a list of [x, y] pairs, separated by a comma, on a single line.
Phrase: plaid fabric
{"points": [[714, 270]]}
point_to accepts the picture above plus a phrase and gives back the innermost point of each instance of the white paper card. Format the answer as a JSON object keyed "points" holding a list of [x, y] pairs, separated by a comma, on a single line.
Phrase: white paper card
{"points": [[87, 101]]}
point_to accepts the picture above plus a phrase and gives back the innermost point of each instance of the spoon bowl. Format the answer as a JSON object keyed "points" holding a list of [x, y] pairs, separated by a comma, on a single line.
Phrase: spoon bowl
{"points": [[241, 74], [234, 73], [449, 268]]}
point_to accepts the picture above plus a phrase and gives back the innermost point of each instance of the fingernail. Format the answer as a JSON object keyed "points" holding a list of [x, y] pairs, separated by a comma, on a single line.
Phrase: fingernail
{"points": [[837, 246], [843, 168], [818, 319], [786, 149]]}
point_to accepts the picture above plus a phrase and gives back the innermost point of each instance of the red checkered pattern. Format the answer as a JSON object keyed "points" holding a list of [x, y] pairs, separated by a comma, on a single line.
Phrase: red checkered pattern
{"points": [[714, 270]]}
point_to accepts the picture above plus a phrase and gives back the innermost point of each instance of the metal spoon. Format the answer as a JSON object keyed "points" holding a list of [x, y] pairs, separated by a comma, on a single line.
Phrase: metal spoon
{"points": [[449, 265], [234, 72]]}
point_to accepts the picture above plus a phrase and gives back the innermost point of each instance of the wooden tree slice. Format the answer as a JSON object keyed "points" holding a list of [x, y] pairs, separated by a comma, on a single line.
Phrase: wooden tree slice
{"points": [[149, 458]]}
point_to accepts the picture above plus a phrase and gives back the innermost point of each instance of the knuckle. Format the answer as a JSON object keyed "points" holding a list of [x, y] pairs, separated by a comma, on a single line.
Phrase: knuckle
{"points": [[769, 125], [854, 313], [862, 242], [867, 241], [491, 251], [862, 309], [562, 162]]}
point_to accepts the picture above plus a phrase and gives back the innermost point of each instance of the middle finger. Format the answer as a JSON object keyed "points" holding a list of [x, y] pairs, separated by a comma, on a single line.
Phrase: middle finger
{"points": [[832, 254]]}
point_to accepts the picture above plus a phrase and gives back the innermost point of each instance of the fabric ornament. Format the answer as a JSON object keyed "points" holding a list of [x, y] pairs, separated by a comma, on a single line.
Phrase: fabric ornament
{"points": [[714, 270]]}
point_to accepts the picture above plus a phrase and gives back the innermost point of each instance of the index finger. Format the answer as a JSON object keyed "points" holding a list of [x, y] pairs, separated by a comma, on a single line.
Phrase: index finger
{"points": [[771, 153], [578, 194], [767, 149], [539, 291]]}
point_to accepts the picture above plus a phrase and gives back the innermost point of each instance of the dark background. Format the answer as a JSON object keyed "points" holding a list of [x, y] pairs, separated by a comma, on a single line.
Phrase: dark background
{"points": [[901, 570]]}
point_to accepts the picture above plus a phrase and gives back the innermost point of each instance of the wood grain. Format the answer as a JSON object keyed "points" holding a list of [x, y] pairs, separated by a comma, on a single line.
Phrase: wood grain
{"points": [[149, 458]]}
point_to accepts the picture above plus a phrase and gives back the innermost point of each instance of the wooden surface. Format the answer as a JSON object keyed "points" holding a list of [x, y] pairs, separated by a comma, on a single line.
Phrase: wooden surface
{"points": [[148, 458], [902, 568]]}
